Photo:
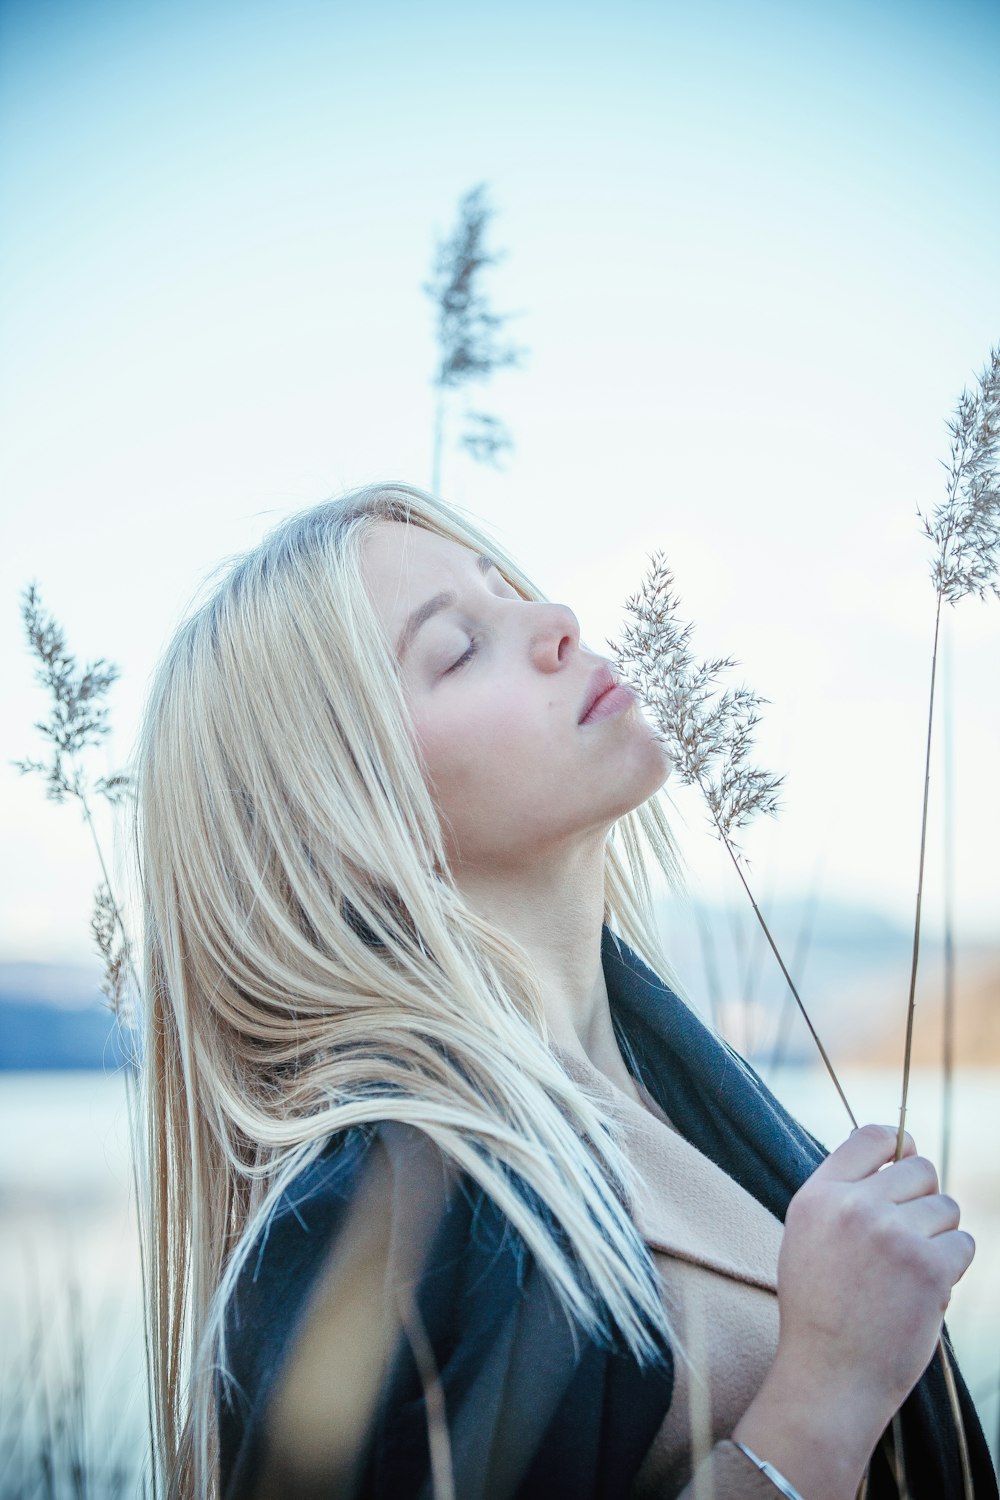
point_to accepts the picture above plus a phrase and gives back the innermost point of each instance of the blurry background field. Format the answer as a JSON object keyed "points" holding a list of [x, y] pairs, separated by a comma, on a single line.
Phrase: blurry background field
{"points": [[751, 251]]}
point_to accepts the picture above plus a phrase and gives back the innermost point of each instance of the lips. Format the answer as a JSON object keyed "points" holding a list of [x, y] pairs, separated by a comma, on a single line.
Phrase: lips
{"points": [[602, 681]]}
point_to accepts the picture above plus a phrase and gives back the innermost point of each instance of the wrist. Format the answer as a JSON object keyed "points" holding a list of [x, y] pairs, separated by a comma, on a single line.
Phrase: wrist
{"points": [[777, 1479], [817, 1431]]}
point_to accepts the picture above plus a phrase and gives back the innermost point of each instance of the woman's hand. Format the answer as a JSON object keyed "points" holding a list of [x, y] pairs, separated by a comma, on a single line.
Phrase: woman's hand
{"points": [[870, 1254], [867, 1264]]}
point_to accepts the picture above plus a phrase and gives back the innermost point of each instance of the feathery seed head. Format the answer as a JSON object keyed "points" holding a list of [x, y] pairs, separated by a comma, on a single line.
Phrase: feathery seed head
{"points": [[113, 946], [77, 716], [965, 527], [707, 729]]}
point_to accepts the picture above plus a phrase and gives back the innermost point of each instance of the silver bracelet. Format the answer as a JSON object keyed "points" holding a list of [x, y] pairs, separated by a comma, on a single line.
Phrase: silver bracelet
{"points": [[770, 1472]]}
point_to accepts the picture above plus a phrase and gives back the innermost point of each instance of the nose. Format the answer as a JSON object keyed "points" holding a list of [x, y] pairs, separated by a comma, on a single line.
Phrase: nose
{"points": [[556, 634]]}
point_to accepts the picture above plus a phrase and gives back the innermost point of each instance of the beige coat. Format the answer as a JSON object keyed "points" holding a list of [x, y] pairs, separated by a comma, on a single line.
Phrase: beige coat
{"points": [[716, 1249]]}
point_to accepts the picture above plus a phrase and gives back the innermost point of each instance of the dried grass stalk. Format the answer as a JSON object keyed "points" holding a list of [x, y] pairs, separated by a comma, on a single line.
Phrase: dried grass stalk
{"points": [[965, 533], [438, 1438], [948, 1009], [78, 720], [468, 331], [708, 731], [115, 949]]}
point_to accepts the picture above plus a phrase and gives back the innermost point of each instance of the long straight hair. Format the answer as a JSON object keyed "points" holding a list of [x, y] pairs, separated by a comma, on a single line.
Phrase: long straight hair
{"points": [[310, 965]]}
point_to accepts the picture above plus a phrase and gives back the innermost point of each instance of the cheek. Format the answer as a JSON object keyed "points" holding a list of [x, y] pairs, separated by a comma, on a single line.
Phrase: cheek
{"points": [[459, 746], [486, 754]]}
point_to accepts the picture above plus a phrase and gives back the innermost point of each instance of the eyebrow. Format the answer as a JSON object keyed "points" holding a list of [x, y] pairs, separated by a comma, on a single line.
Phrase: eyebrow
{"points": [[426, 611]]}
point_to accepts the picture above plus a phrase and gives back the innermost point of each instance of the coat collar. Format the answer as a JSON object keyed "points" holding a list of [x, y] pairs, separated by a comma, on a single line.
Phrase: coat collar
{"points": [[681, 1197], [713, 1097]]}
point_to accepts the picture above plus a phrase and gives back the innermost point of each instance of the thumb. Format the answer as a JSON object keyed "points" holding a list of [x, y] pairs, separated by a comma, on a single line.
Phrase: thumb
{"points": [[864, 1151]]}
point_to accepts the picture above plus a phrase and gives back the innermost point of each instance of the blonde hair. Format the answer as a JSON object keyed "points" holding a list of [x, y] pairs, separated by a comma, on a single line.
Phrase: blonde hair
{"points": [[310, 965]]}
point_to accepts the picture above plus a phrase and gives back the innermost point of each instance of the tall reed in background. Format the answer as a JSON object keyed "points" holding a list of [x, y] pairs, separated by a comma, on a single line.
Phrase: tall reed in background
{"points": [[468, 333], [964, 531], [78, 721]]}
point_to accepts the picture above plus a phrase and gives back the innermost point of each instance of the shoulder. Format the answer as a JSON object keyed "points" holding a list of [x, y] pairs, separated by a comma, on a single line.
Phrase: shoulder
{"points": [[303, 1228], [382, 1275], [377, 1209]]}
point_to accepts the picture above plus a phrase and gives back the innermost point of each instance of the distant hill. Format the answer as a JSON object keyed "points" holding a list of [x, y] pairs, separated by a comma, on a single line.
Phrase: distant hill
{"points": [[848, 962], [852, 967], [977, 1022], [52, 1016], [851, 964], [47, 1037], [66, 986]]}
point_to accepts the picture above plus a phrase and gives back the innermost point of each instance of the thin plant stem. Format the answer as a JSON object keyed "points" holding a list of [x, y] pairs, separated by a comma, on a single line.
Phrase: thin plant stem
{"points": [[800, 956], [948, 1037], [47, 1437], [949, 1377], [131, 1104], [968, 1491], [438, 1440], [700, 1434], [709, 960], [788, 978], [911, 1004], [956, 1410], [737, 932], [898, 1460], [438, 443], [77, 1444], [753, 956]]}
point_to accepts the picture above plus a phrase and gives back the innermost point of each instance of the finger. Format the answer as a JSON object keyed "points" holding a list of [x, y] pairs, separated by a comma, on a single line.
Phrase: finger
{"points": [[931, 1216], [957, 1248], [913, 1177], [864, 1151]]}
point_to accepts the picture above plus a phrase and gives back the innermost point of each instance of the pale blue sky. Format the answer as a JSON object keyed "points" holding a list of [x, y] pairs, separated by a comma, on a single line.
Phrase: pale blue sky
{"points": [[754, 250]]}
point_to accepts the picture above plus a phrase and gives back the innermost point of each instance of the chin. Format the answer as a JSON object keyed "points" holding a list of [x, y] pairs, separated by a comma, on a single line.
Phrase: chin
{"points": [[645, 782], [657, 762]]}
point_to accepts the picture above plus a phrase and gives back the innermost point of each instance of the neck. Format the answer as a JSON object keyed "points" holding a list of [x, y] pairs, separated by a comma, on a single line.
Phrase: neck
{"points": [[554, 910]]}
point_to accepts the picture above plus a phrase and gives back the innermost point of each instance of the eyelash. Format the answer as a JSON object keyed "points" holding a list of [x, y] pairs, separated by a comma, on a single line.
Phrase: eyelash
{"points": [[467, 655], [475, 642]]}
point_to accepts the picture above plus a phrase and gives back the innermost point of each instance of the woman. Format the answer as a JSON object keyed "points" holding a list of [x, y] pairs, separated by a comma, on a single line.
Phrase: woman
{"points": [[450, 1193]]}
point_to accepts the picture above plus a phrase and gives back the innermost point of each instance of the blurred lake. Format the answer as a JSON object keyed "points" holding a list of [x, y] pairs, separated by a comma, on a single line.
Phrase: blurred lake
{"points": [[71, 1363]]}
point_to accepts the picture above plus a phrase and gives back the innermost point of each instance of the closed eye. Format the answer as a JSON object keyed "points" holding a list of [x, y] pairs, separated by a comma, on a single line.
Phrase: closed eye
{"points": [[467, 655]]}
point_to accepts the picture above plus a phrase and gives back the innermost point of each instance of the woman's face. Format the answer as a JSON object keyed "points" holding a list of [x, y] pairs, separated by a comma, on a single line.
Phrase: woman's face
{"points": [[497, 686]]}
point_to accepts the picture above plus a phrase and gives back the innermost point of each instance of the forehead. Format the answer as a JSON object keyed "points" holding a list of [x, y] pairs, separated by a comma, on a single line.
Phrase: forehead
{"points": [[402, 564]]}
